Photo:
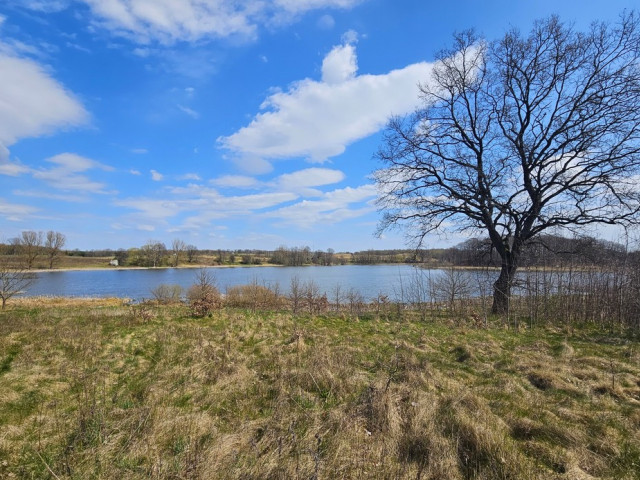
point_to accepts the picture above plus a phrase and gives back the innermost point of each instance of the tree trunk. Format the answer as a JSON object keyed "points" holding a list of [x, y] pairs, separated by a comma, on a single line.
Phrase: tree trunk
{"points": [[502, 287]]}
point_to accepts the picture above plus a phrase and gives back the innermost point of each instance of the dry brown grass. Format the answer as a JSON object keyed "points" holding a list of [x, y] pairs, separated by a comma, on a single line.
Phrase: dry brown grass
{"points": [[96, 389]]}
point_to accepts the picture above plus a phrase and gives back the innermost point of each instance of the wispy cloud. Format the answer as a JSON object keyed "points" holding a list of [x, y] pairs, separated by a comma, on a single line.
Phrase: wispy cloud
{"points": [[32, 102], [326, 22], [170, 21], [15, 212], [303, 181], [66, 173], [333, 207], [235, 181], [12, 169], [192, 113], [51, 196], [189, 176]]}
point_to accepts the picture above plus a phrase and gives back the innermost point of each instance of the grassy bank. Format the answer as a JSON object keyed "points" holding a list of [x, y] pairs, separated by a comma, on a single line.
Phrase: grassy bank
{"points": [[104, 390]]}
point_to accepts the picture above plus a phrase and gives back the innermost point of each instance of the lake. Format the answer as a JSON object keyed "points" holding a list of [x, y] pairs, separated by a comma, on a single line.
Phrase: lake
{"points": [[368, 280]]}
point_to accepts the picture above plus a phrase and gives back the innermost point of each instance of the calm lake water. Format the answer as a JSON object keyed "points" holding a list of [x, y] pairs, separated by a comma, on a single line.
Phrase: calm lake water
{"points": [[368, 280]]}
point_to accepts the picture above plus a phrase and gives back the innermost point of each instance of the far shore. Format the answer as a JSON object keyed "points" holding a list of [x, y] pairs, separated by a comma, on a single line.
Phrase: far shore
{"points": [[108, 267]]}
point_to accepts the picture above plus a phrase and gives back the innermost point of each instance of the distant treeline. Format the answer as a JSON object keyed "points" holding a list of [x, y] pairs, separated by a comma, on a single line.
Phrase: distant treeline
{"points": [[546, 250]]}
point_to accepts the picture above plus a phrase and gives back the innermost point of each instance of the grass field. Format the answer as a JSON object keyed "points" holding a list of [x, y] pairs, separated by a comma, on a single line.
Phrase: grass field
{"points": [[100, 389]]}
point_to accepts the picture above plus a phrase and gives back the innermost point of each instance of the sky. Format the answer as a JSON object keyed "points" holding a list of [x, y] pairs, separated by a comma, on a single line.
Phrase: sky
{"points": [[228, 124]]}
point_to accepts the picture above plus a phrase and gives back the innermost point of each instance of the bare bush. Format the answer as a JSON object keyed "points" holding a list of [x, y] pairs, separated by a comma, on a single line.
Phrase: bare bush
{"points": [[451, 287], [254, 297], [203, 296], [166, 294]]}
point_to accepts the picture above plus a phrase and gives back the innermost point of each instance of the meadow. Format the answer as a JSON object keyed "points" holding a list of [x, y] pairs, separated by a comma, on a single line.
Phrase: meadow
{"points": [[109, 390]]}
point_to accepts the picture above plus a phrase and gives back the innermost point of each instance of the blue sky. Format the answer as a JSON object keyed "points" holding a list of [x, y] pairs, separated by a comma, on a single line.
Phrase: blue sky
{"points": [[227, 124]]}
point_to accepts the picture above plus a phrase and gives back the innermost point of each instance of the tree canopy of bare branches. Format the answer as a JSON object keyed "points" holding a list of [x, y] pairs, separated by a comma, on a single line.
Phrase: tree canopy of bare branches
{"points": [[14, 279], [514, 137], [31, 245], [53, 245]]}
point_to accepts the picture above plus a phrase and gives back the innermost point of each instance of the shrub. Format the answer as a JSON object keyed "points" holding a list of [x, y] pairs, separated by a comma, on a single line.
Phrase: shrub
{"points": [[166, 294], [254, 297], [203, 297]]}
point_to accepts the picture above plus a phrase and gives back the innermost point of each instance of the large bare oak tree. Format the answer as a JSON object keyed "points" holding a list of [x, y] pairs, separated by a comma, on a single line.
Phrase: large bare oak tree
{"points": [[518, 136]]}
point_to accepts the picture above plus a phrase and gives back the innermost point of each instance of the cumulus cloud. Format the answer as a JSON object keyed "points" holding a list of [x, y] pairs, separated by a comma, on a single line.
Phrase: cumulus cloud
{"points": [[340, 65], [346, 107], [168, 21], [32, 102]]}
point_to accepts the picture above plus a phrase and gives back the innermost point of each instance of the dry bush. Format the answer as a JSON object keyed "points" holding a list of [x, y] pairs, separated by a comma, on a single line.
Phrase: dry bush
{"points": [[203, 297], [166, 294], [254, 297]]}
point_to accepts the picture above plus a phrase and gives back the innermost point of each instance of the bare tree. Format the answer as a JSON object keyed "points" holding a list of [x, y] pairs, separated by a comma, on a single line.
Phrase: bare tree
{"points": [[53, 246], [192, 253], [31, 246], [14, 279], [153, 253], [177, 249], [519, 136]]}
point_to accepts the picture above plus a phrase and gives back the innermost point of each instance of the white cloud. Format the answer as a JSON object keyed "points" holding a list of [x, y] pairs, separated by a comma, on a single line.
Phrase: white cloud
{"points": [[350, 36], [340, 65], [76, 163], [252, 164], [156, 176], [32, 103], [205, 204], [346, 107], [234, 181], [326, 22], [51, 196], [15, 212], [12, 169], [302, 181], [139, 151], [190, 176], [47, 6], [169, 21], [141, 52], [134, 172], [65, 175], [192, 113], [332, 207]]}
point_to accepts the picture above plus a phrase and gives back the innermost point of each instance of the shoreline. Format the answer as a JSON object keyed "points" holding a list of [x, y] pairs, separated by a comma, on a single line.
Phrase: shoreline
{"points": [[179, 267]]}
